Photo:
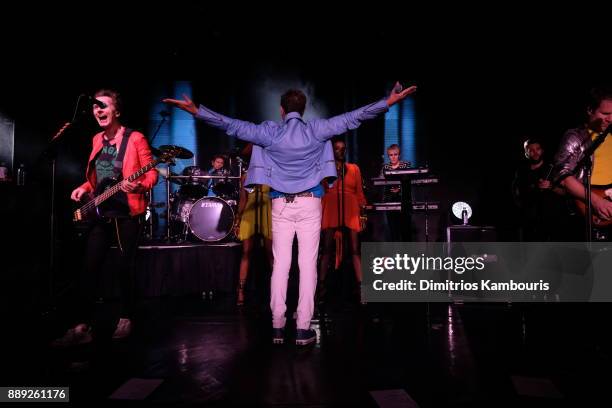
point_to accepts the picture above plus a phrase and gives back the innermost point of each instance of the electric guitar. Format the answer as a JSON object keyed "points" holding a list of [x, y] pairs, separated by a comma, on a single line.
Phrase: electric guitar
{"points": [[99, 202], [603, 193]]}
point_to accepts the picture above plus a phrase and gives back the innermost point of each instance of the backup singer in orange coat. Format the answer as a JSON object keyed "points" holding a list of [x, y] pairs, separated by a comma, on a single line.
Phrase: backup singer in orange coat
{"points": [[342, 210]]}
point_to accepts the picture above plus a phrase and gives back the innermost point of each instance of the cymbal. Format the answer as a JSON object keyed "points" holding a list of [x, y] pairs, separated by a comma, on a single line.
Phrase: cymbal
{"points": [[176, 151]]}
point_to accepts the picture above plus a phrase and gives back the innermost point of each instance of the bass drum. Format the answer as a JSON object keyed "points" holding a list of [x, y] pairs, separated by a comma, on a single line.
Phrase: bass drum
{"points": [[211, 219]]}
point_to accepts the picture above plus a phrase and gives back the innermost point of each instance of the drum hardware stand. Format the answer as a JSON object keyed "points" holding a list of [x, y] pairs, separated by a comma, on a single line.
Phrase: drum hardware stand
{"points": [[150, 208], [168, 237], [185, 233]]}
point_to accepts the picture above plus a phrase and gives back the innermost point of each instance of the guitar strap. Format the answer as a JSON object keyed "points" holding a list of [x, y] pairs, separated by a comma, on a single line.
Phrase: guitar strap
{"points": [[118, 162], [118, 206]]}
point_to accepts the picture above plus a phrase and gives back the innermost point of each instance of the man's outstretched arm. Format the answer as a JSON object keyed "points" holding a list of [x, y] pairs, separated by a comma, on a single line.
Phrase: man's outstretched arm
{"points": [[325, 129], [186, 104], [250, 132], [398, 95]]}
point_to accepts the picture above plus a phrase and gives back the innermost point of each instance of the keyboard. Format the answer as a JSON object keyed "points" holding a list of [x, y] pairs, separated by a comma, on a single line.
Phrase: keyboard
{"points": [[416, 206]]}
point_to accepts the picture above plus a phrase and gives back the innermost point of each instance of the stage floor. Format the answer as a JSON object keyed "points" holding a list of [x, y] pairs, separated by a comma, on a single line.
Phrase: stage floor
{"points": [[189, 350]]}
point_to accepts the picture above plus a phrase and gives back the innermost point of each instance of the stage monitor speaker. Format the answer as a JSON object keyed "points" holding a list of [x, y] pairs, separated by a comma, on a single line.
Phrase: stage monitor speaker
{"points": [[467, 233], [470, 233]]}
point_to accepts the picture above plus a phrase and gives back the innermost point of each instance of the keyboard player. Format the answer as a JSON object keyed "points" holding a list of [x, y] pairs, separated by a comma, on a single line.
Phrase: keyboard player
{"points": [[393, 194]]}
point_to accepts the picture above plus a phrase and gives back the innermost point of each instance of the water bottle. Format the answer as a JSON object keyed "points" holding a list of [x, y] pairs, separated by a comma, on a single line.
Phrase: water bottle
{"points": [[21, 175], [464, 216]]}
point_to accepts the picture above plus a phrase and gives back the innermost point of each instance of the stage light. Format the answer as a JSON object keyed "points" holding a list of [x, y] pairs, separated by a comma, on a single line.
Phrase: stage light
{"points": [[462, 211]]}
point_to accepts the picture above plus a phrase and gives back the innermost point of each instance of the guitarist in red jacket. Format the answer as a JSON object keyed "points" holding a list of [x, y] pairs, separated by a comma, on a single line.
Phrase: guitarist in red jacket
{"points": [[572, 152], [117, 153]]}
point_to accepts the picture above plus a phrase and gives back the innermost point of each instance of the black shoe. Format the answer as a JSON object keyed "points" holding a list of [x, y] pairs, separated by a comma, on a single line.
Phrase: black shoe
{"points": [[80, 334], [304, 337], [278, 336]]}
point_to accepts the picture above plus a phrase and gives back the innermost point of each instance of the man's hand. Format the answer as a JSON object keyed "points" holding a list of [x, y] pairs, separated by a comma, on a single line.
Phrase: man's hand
{"points": [[544, 184], [130, 187], [602, 207], [186, 104], [396, 97], [77, 194]]}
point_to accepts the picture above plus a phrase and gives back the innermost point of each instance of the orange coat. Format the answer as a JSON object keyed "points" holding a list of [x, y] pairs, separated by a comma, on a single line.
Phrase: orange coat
{"points": [[354, 199], [137, 155]]}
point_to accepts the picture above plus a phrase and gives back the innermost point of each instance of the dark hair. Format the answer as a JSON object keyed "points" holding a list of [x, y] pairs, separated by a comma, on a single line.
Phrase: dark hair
{"points": [[532, 140], [596, 96], [293, 100], [114, 95], [218, 156], [336, 139]]}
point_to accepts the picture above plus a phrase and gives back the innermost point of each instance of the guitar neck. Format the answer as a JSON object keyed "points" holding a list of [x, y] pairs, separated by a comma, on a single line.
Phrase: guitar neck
{"points": [[108, 193]]}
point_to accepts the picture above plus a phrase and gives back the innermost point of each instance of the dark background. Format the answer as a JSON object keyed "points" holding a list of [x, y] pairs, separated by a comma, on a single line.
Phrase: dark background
{"points": [[487, 78]]}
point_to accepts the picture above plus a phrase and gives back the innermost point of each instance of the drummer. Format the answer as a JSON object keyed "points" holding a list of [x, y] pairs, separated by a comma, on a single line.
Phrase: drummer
{"points": [[217, 169]]}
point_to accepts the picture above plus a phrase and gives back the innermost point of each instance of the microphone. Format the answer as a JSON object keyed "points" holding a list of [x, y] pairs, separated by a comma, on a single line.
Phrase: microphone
{"points": [[94, 101]]}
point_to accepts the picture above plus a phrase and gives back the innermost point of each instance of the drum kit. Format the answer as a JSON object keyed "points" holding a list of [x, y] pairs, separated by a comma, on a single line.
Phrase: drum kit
{"points": [[204, 207]]}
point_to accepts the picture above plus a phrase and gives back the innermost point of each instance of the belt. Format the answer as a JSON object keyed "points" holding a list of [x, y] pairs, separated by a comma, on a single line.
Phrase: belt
{"points": [[290, 197]]}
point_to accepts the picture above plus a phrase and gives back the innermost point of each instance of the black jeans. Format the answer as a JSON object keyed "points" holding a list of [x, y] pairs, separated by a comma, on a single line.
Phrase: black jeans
{"points": [[125, 233]]}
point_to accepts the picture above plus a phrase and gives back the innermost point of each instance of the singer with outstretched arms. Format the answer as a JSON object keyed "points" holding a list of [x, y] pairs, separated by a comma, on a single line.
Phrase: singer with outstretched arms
{"points": [[293, 157], [576, 161]]}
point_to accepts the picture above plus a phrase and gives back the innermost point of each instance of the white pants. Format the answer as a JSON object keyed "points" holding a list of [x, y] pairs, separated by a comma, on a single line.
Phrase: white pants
{"points": [[301, 217]]}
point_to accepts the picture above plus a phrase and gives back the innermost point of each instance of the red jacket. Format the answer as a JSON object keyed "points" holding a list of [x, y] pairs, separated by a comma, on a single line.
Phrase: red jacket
{"points": [[137, 155]]}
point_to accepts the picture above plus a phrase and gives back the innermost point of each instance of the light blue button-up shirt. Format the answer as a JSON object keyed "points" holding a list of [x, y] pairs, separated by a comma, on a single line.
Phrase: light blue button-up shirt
{"points": [[293, 155]]}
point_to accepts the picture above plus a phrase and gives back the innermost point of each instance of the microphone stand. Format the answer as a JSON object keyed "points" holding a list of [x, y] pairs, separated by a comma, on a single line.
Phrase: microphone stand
{"points": [[406, 209], [168, 237], [588, 172], [341, 222], [426, 199], [51, 153]]}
